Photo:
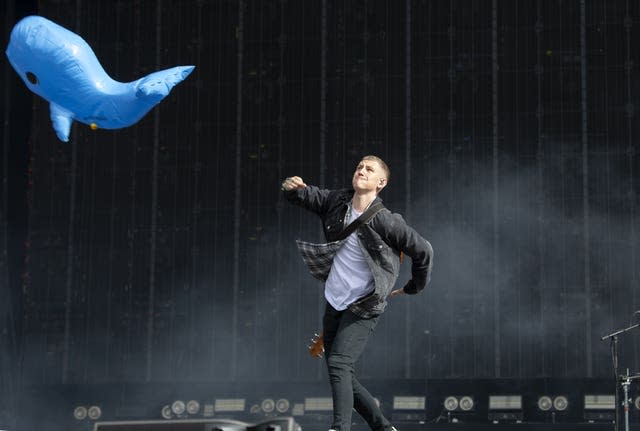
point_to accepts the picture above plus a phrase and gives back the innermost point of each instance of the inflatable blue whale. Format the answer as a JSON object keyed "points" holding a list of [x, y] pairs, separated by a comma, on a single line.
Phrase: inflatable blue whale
{"points": [[61, 67]]}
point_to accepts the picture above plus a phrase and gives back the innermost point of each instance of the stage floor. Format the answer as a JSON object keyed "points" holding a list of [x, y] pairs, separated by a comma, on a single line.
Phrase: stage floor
{"points": [[290, 424]]}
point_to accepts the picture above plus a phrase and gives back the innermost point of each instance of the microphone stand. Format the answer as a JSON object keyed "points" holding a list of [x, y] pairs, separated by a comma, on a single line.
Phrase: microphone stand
{"points": [[614, 356]]}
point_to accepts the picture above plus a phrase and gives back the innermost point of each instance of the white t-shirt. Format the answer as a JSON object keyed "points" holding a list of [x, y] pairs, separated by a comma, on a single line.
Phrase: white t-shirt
{"points": [[350, 277]]}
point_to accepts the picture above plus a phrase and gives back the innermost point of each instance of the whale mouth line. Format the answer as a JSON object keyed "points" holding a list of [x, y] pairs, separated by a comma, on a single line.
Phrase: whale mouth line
{"points": [[94, 119]]}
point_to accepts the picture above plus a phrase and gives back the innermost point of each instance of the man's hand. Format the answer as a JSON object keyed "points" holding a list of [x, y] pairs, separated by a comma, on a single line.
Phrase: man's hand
{"points": [[397, 292], [291, 183]]}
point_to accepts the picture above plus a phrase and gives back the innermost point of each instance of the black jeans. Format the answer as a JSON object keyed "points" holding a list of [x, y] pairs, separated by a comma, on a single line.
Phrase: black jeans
{"points": [[345, 336]]}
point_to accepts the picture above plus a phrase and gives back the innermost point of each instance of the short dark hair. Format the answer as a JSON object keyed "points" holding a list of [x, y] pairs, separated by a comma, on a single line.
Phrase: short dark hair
{"points": [[382, 164]]}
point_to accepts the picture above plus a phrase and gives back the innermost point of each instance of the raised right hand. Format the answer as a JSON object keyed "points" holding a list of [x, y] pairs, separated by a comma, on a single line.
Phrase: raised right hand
{"points": [[291, 183]]}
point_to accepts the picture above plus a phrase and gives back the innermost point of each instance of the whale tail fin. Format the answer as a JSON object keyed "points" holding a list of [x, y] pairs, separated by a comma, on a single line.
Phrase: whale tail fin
{"points": [[156, 86]]}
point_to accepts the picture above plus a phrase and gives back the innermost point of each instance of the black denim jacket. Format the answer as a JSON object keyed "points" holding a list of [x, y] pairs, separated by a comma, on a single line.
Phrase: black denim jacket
{"points": [[382, 240]]}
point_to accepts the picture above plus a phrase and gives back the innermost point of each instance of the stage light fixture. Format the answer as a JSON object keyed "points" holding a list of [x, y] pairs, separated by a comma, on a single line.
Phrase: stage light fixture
{"points": [[599, 402], [560, 403], [410, 409], [506, 408], [545, 403], [600, 407], [178, 407], [409, 403], [451, 404], [255, 409], [80, 413], [166, 412], [467, 403], [227, 405], [282, 405], [459, 403], [94, 412], [193, 407], [318, 404], [267, 405], [636, 402], [505, 402]]}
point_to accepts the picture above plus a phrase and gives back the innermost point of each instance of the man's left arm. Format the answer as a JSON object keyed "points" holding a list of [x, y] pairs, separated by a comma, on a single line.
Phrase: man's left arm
{"points": [[406, 240]]}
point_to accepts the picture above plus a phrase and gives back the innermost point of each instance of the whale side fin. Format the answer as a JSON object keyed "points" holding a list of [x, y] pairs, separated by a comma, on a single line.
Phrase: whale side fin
{"points": [[156, 86], [62, 120]]}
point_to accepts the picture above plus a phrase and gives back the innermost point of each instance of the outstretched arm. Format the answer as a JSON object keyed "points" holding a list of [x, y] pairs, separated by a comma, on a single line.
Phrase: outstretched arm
{"points": [[312, 198]]}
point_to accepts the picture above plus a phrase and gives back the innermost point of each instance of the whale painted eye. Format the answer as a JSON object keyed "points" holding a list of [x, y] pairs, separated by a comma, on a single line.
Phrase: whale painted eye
{"points": [[32, 78]]}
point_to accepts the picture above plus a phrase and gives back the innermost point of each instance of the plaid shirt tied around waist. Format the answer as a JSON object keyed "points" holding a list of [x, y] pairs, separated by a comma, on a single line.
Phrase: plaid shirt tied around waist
{"points": [[319, 257]]}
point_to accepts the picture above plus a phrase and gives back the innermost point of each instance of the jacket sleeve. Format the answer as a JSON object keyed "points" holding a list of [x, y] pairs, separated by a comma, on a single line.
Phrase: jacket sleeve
{"points": [[311, 198], [405, 239]]}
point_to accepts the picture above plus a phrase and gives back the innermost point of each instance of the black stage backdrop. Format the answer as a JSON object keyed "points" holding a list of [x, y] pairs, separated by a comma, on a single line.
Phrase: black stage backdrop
{"points": [[164, 252]]}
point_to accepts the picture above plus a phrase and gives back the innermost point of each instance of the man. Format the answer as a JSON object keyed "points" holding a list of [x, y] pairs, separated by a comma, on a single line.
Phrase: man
{"points": [[359, 273]]}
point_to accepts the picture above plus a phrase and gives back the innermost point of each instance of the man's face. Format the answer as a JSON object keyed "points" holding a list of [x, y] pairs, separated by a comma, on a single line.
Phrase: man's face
{"points": [[369, 176]]}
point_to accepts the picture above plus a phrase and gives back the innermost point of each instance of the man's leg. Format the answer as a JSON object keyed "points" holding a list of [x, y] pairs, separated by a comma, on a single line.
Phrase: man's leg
{"points": [[345, 336], [366, 406]]}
